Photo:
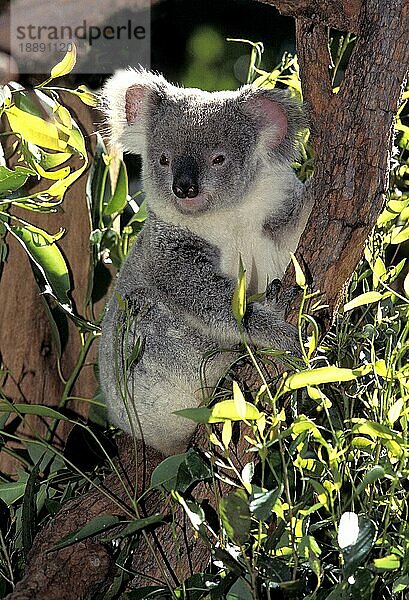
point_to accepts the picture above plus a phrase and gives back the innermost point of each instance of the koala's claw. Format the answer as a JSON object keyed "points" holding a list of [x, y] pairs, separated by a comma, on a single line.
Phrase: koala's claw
{"points": [[287, 298], [273, 290]]}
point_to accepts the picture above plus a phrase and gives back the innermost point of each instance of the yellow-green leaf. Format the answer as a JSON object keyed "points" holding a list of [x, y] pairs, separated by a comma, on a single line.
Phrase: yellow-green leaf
{"points": [[379, 271], [226, 433], [66, 65], [395, 411], [86, 96], [387, 563], [36, 130], [406, 285], [363, 299], [239, 295], [299, 275], [239, 400], [400, 234], [227, 409], [53, 175], [317, 376]]}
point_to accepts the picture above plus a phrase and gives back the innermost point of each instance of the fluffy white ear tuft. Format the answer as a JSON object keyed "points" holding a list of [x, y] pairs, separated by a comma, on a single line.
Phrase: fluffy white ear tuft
{"points": [[125, 98], [273, 119], [278, 117]]}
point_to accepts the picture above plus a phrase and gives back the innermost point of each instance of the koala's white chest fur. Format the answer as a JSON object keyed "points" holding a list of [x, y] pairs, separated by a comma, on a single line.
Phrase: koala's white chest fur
{"points": [[240, 231]]}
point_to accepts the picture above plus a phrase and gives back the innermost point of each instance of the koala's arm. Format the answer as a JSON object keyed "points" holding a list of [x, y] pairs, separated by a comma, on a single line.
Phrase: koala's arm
{"points": [[184, 271]]}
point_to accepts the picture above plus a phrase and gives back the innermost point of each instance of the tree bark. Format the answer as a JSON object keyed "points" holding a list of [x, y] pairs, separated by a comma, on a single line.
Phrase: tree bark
{"points": [[352, 137], [26, 344]]}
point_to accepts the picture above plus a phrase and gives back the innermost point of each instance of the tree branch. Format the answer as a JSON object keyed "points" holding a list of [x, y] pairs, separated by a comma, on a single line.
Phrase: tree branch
{"points": [[339, 14]]}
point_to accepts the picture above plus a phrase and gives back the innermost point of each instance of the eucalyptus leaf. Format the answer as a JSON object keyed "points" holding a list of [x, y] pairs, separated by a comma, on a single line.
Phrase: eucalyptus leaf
{"points": [[235, 516], [118, 200], [96, 526], [165, 474]]}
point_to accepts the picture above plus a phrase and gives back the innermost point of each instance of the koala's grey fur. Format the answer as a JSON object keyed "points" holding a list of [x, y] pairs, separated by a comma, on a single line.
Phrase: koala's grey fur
{"points": [[179, 277]]}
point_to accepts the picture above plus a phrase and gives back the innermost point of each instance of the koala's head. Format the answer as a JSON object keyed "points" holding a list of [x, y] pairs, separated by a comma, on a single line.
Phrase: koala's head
{"points": [[201, 151]]}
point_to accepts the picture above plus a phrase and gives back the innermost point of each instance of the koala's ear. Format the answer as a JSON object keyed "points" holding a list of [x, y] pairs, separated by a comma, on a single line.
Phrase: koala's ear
{"points": [[278, 117], [126, 98]]}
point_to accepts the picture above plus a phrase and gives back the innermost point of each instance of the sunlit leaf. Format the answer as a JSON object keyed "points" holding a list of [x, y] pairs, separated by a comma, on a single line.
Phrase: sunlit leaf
{"points": [[36, 130], [66, 65], [239, 295], [363, 299], [118, 200], [387, 563], [226, 433], [313, 377], [239, 401], [299, 275], [45, 254]]}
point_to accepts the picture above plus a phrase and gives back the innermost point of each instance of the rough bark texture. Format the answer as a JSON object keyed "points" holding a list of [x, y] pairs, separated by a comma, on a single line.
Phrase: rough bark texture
{"points": [[339, 14], [26, 345], [352, 136], [85, 568]]}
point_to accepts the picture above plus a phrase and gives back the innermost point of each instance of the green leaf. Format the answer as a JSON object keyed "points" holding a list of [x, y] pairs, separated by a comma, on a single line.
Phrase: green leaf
{"points": [[152, 592], [139, 524], [240, 590], [32, 409], [363, 299], [118, 200], [45, 254], [261, 503], [313, 377], [239, 401], [239, 294], [235, 516], [355, 554], [29, 510], [12, 180], [36, 129], [66, 65], [140, 216], [400, 234], [387, 563], [165, 474], [227, 409], [192, 470], [97, 525], [299, 275], [375, 473], [12, 491]]}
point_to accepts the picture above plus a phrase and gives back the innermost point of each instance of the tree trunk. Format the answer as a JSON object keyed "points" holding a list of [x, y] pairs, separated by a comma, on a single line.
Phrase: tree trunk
{"points": [[352, 136]]}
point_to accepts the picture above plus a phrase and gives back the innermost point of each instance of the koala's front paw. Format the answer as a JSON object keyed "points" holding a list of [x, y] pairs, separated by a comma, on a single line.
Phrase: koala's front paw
{"points": [[282, 300], [267, 328]]}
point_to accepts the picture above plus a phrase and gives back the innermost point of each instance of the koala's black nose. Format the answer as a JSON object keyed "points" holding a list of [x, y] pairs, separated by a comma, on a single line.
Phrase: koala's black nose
{"points": [[185, 177], [183, 188]]}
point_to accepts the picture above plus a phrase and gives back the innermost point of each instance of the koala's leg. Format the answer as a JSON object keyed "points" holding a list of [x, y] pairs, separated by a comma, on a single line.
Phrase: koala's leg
{"points": [[165, 377]]}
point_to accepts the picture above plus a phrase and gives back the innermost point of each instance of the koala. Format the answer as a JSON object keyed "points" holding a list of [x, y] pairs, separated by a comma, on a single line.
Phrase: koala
{"points": [[219, 186]]}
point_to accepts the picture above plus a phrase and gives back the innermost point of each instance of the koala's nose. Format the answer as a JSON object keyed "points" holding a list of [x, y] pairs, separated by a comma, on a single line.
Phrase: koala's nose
{"points": [[183, 188]]}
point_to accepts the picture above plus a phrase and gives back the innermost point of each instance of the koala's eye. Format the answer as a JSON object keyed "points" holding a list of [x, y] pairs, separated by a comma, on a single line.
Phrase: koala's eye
{"points": [[219, 159], [164, 160]]}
